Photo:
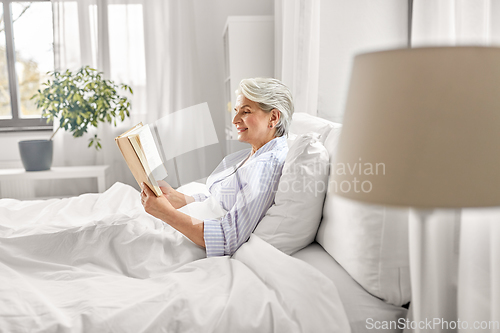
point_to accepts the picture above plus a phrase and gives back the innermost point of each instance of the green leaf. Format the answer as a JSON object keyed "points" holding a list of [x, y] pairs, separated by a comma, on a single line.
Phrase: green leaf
{"points": [[81, 100]]}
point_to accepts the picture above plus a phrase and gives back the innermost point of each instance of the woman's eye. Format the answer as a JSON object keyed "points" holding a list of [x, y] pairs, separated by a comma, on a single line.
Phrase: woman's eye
{"points": [[245, 112]]}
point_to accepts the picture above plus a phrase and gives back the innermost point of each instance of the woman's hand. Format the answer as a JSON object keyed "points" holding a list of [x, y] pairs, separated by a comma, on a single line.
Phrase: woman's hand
{"points": [[177, 199], [159, 207]]}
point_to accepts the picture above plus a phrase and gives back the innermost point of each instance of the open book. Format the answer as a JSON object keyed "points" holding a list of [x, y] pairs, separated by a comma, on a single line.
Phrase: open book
{"points": [[139, 149], [147, 147]]}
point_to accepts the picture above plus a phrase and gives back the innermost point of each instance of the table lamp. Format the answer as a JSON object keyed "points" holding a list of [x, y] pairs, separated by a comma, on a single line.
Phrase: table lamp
{"points": [[427, 122]]}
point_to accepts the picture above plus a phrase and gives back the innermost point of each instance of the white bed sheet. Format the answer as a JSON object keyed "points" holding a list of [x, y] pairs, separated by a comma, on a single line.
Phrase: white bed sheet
{"points": [[363, 310], [99, 263]]}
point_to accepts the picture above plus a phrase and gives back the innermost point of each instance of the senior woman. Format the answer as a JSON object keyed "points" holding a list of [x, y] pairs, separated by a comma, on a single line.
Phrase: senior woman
{"points": [[245, 182]]}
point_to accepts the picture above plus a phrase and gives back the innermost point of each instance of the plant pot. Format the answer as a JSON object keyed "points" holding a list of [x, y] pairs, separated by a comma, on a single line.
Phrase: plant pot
{"points": [[36, 155]]}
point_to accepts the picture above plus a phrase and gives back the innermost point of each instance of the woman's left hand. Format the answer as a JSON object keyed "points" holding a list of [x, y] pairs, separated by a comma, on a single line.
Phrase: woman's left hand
{"points": [[159, 207]]}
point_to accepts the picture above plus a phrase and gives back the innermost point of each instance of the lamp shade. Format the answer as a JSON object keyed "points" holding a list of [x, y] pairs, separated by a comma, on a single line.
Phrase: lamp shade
{"points": [[422, 128]]}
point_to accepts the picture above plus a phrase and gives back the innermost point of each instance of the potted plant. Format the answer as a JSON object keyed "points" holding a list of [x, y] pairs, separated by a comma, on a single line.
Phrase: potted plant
{"points": [[78, 100]]}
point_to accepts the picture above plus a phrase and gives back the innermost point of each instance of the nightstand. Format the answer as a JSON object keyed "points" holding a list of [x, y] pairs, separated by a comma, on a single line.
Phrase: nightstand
{"points": [[19, 184]]}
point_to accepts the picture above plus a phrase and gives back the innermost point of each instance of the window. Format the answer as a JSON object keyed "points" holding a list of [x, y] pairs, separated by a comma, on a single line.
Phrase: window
{"points": [[26, 55]]}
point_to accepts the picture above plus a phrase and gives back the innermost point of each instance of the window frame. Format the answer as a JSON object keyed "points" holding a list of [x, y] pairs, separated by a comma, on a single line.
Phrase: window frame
{"points": [[16, 123]]}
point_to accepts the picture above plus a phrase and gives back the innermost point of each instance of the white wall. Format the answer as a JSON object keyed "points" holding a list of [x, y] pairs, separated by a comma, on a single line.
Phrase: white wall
{"points": [[9, 152], [210, 21], [348, 28]]}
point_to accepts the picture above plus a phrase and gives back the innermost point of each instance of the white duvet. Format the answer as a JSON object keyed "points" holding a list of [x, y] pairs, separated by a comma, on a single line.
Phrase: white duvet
{"points": [[99, 263]]}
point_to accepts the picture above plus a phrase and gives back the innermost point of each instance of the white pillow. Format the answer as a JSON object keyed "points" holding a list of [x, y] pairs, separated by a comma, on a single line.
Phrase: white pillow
{"points": [[369, 241], [291, 223], [304, 123]]}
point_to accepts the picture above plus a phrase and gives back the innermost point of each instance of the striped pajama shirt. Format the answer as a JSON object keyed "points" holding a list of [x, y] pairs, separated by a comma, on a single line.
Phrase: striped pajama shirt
{"points": [[245, 191]]}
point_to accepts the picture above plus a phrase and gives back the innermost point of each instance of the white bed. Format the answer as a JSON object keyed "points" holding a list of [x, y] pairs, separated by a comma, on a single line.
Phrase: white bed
{"points": [[362, 308], [99, 263]]}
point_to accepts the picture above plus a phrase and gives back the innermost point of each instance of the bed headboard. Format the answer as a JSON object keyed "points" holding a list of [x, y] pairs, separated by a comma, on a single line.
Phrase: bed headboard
{"points": [[369, 241]]}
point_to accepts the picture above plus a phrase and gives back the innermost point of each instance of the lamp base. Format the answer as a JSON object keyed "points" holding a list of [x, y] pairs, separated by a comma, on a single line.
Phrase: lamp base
{"points": [[433, 241]]}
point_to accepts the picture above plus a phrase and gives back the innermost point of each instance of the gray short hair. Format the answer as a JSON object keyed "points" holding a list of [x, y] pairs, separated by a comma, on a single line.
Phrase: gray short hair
{"points": [[270, 94]]}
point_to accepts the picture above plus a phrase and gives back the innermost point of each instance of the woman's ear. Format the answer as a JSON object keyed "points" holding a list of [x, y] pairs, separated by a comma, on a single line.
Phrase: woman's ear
{"points": [[275, 115]]}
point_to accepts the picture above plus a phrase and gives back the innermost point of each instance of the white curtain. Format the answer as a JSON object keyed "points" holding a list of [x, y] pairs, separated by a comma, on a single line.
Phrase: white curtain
{"points": [[147, 44], [455, 22], [297, 24], [466, 285], [315, 42]]}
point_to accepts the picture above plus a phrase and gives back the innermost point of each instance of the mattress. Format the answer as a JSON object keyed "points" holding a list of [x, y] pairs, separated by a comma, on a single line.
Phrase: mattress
{"points": [[364, 311]]}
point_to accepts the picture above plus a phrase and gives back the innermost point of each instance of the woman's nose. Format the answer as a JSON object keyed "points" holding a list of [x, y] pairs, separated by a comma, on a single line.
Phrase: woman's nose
{"points": [[236, 118]]}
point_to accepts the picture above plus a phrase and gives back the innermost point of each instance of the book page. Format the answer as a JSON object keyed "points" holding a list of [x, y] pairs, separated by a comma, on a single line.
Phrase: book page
{"points": [[131, 131], [134, 140], [134, 163], [147, 142], [141, 154]]}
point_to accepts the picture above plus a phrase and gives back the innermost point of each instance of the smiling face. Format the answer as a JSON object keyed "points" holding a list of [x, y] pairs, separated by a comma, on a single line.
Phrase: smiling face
{"points": [[253, 124]]}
